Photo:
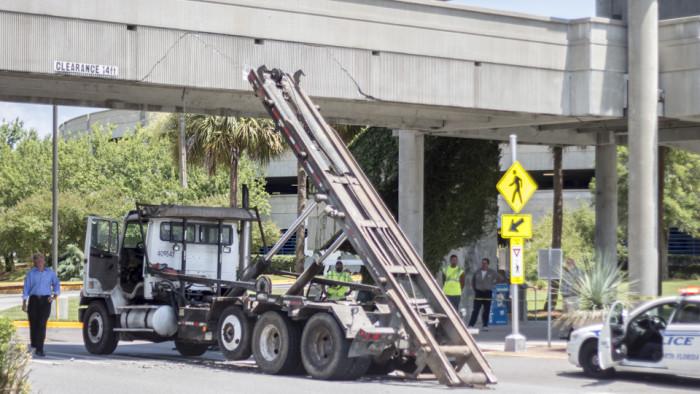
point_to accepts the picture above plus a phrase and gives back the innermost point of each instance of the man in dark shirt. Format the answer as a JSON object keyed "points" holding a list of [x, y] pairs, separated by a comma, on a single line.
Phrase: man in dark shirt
{"points": [[483, 283]]}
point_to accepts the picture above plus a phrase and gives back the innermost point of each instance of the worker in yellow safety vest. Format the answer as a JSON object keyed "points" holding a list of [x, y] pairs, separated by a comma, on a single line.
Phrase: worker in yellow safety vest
{"points": [[453, 279], [338, 292]]}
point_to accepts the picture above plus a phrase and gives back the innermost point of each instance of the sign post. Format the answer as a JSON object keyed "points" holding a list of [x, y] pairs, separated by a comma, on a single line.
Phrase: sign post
{"points": [[549, 267], [511, 187]]}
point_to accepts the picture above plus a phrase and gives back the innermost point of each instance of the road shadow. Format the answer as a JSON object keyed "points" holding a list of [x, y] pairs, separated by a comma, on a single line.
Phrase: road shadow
{"points": [[652, 380], [165, 354]]}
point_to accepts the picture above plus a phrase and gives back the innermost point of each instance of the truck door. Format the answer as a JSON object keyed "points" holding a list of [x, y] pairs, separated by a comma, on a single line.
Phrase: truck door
{"points": [[102, 259], [610, 337], [682, 340]]}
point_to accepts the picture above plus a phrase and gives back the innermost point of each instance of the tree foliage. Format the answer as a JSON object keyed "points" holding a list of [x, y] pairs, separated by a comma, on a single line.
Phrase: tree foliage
{"points": [[577, 242], [460, 197], [99, 176], [681, 189], [70, 264], [216, 141]]}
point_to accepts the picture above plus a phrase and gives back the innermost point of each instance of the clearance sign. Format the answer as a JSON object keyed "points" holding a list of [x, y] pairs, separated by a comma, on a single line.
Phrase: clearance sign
{"points": [[87, 69]]}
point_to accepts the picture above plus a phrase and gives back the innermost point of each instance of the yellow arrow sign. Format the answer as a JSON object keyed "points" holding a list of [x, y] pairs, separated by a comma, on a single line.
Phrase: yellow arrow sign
{"points": [[516, 226], [517, 262], [516, 186]]}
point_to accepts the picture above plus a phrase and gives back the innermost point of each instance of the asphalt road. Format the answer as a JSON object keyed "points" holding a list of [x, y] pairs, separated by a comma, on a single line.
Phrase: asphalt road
{"points": [[11, 300], [156, 368]]}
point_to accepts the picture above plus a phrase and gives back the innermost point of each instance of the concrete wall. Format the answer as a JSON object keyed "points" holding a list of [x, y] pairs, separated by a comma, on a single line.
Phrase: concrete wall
{"points": [[679, 65], [541, 202], [283, 166], [121, 122], [539, 157]]}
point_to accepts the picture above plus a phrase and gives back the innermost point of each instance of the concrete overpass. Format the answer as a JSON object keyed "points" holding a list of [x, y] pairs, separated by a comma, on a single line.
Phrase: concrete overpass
{"points": [[418, 66]]}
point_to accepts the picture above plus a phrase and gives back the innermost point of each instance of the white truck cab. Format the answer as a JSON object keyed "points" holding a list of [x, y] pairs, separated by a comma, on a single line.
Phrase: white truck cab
{"points": [[659, 336], [144, 275]]}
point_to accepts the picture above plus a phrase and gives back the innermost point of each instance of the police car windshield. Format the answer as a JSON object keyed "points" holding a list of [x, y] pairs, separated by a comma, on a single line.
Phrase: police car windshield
{"points": [[688, 314], [664, 311]]}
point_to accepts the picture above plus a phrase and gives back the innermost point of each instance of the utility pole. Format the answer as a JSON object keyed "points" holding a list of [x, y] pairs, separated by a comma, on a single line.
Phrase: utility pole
{"points": [[182, 143], [183, 150], [54, 192]]}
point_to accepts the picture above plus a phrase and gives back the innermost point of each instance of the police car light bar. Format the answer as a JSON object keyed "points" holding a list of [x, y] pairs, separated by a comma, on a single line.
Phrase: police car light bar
{"points": [[690, 291]]}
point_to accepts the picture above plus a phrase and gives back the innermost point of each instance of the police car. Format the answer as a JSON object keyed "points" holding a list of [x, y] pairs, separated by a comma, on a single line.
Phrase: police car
{"points": [[660, 336]]}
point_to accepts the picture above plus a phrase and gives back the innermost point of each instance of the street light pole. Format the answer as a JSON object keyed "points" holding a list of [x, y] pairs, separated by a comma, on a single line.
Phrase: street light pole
{"points": [[54, 192]]}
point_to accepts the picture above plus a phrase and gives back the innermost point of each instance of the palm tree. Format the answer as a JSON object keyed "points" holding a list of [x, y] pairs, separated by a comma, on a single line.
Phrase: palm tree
{"points": [[213, 141]]}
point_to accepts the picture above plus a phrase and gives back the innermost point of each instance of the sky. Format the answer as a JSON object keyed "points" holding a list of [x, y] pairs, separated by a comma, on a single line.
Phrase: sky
{"points": [[39, 117]]}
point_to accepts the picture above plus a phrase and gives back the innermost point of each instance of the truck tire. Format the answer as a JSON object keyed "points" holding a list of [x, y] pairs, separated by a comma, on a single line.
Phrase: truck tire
{"points": [[234, 333], [98, 329], [189, 349], [588, 358], [324, 349], [276, 344]]}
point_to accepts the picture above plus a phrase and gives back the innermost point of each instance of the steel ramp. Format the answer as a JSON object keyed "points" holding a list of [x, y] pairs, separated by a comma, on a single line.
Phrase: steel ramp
{"points": [[440, 343]]}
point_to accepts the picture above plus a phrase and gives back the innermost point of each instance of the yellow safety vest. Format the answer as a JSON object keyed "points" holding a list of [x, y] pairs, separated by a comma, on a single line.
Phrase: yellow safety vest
{"points": [[451, 276], [337, 292]]}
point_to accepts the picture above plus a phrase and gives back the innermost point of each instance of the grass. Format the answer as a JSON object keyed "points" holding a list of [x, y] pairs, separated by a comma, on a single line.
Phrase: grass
{"points": [[15, 313], [672, 287], [535, 304]]}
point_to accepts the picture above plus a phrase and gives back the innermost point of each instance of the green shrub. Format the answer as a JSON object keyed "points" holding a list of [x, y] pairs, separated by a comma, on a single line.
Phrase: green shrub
{"points": [[280, 262], [597, 286], [14, 360], [70, 264]]}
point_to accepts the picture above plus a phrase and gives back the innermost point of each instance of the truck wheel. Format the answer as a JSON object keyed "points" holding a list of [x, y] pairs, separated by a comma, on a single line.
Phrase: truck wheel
{"points": [[324, 349], [189, 349], [588, 358], [98, 329], [276, 344], [234, 334]]}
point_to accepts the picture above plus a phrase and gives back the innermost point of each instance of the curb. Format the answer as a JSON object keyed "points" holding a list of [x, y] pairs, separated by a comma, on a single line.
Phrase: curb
{"points": [[50, 324], [531, 352], [526, 355]]}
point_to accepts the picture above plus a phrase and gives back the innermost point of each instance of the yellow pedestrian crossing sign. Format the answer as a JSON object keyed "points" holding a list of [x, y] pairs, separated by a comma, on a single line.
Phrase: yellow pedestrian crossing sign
{"points": [[516, 226], [516, 186]]}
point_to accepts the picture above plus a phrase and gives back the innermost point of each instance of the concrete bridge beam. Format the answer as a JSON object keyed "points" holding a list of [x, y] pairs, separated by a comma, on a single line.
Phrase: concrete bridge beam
{"points": [[606, 198], [643, 55], [411, 190]]}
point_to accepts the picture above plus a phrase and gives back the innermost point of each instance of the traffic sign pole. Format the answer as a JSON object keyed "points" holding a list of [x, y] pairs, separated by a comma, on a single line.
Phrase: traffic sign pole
{"points": [[515, 342], [549, 302]]}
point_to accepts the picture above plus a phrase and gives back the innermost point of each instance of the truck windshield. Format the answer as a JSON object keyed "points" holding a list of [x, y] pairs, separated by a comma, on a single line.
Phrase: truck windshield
{"points": [[132, 235]]}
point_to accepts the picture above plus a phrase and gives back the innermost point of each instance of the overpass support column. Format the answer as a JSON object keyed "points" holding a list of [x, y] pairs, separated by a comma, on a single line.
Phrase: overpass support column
{"points": [[643, 47], [411, 175], [606, 198]]}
